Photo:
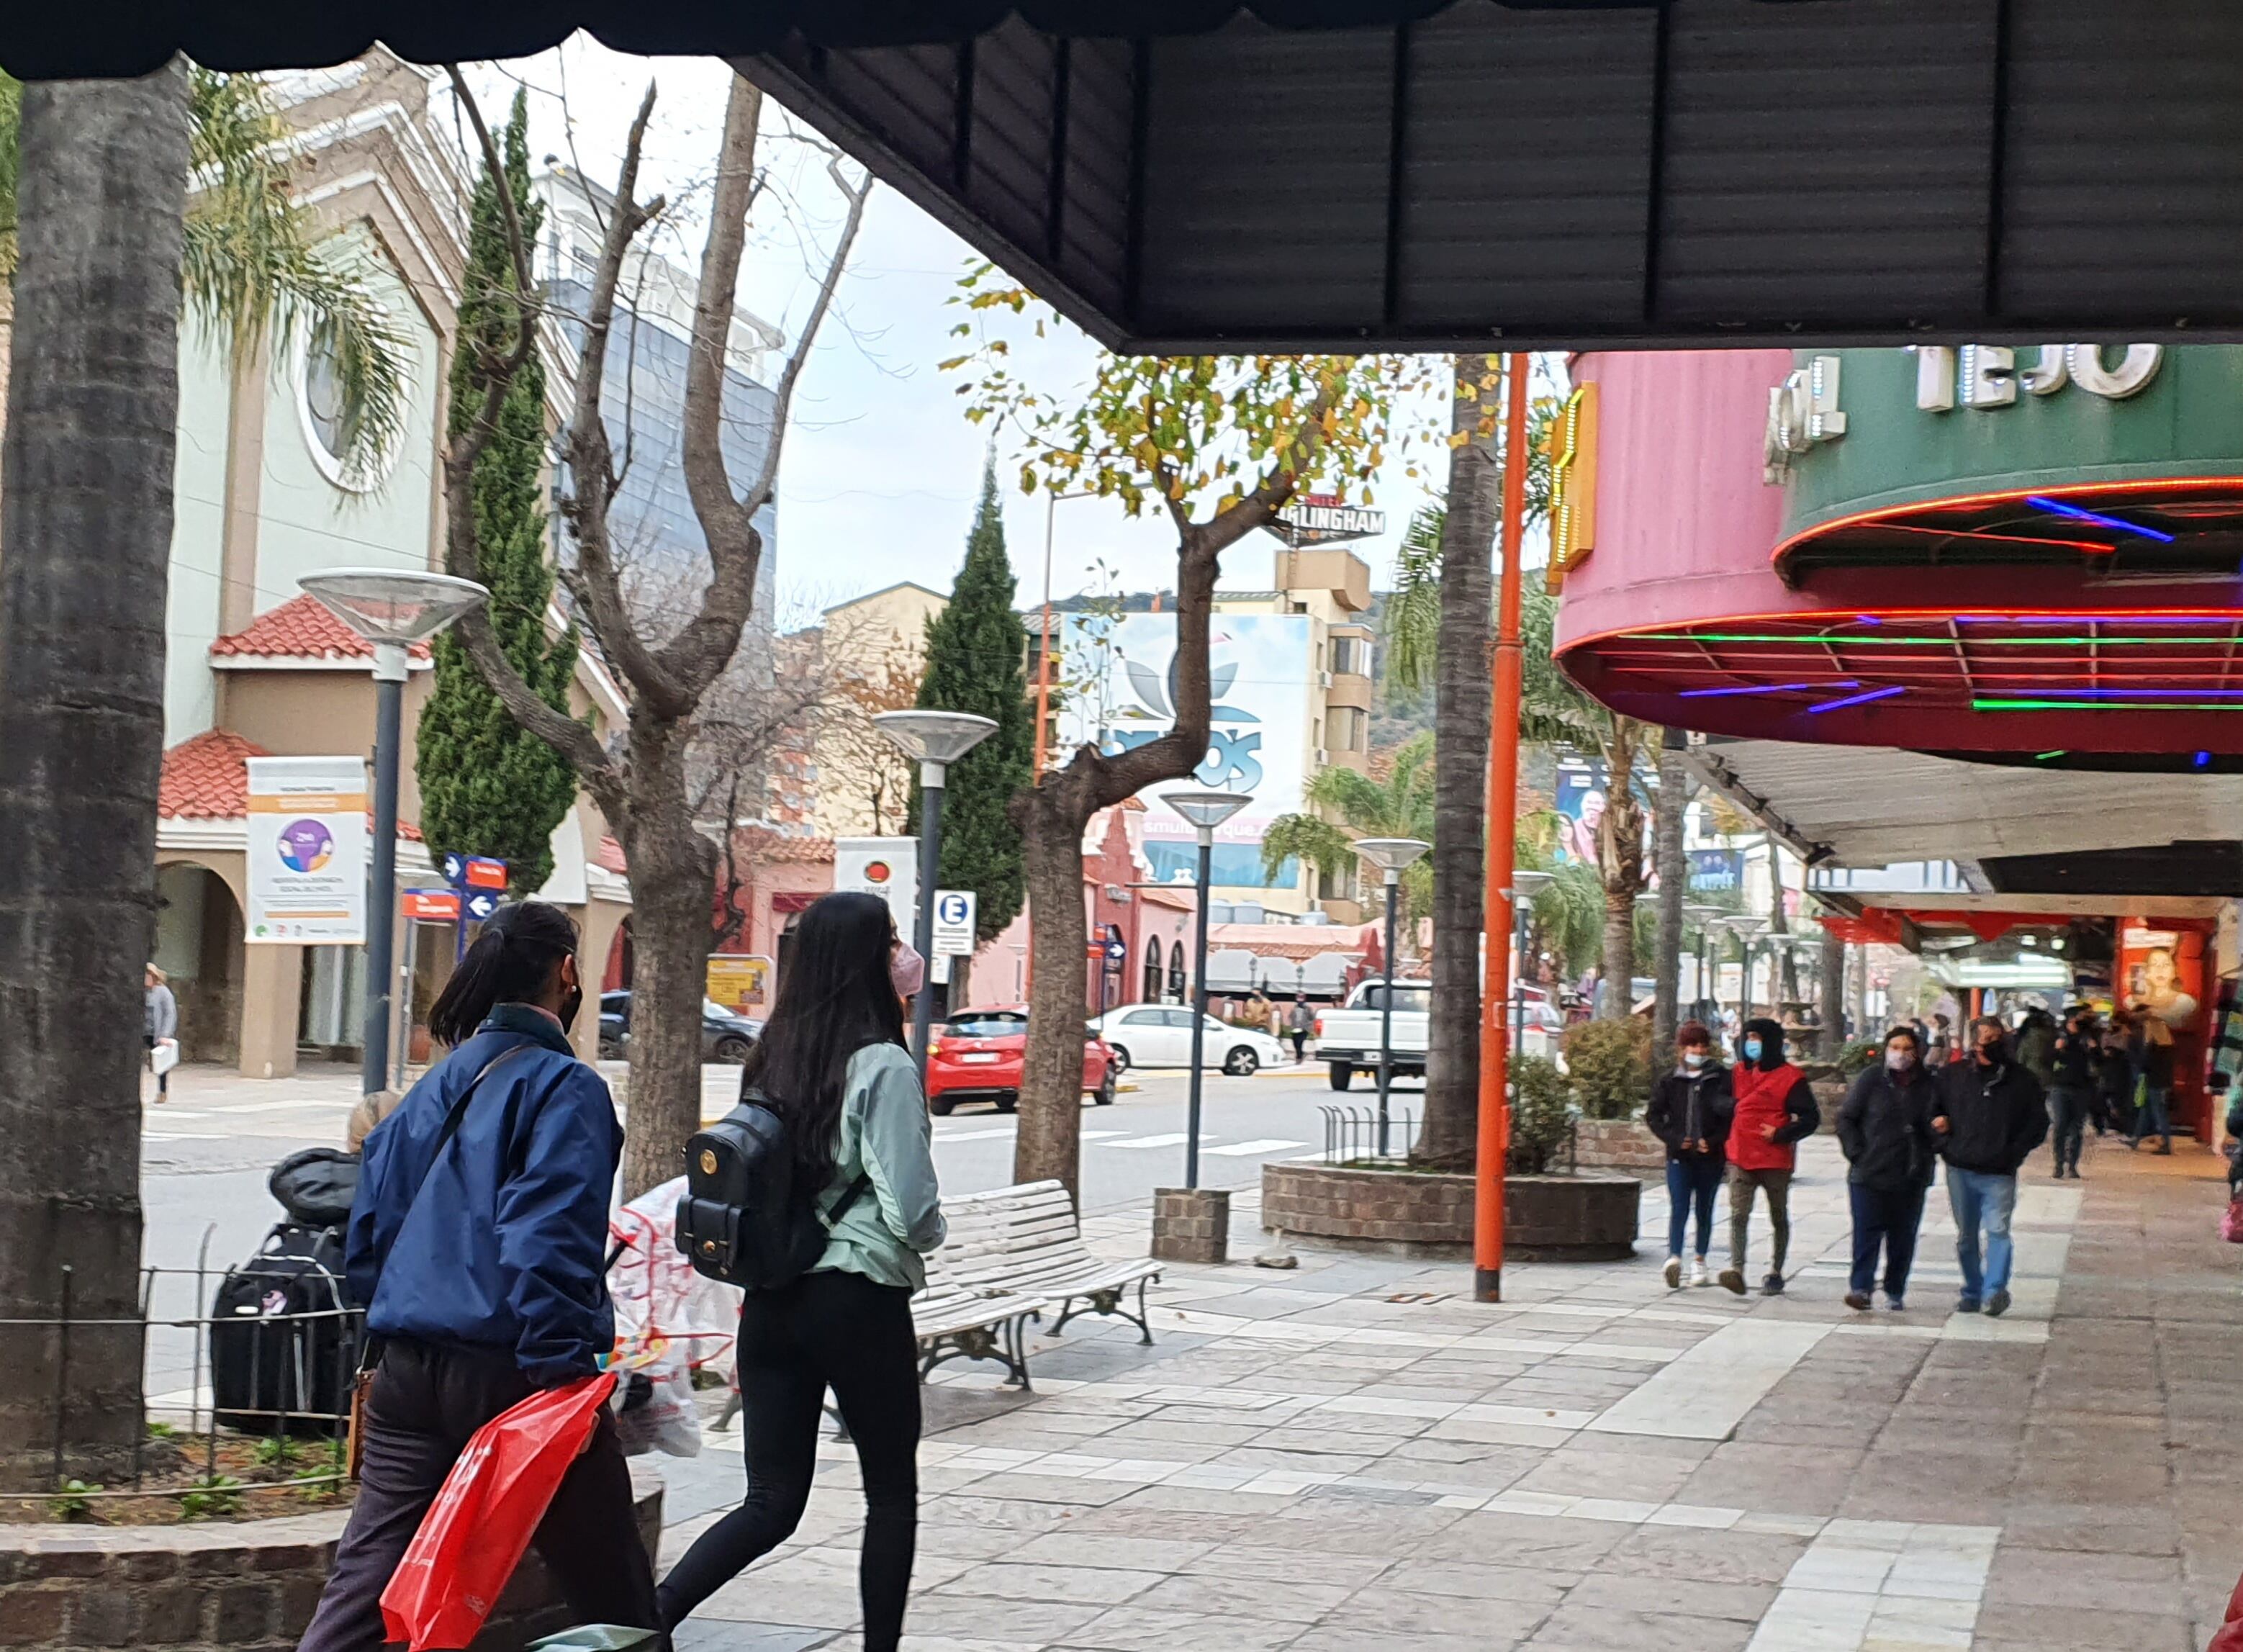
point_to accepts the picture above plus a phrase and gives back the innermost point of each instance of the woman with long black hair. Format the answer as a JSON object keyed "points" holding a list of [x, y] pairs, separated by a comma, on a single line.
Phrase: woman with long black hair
{"points": [[477, 1242], [832, 1063]]}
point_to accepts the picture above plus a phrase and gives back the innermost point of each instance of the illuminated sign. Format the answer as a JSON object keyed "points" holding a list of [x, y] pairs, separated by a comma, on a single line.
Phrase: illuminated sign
{"points": [[1987, 375], [1320, 518], [1572, 484], [1802, 411]]}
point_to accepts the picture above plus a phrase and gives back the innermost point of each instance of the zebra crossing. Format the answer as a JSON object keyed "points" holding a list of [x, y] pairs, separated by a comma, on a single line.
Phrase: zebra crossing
{"points": [[1210, 1145]]}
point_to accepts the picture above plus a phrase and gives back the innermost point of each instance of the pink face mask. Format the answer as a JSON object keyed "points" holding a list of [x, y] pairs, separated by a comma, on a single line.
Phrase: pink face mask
{"points": [[906, 969]]}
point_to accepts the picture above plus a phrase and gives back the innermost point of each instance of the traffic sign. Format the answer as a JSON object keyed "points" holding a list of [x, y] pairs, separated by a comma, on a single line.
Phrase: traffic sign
{"points": [[433, 906], [456, 869], [473, 872], [478, 904], [953, 923], [1117, 951]]}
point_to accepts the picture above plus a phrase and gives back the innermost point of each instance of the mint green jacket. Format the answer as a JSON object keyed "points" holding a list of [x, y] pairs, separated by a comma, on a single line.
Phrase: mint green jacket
{"points": [[885, 1136]]}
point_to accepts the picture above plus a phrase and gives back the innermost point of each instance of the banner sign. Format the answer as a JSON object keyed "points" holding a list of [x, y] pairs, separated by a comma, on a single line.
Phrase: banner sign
{"points": [[308, 850]]}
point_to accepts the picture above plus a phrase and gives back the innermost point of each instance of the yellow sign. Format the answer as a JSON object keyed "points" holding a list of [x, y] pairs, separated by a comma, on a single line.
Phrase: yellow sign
{"points": [[739, 983], [1573, 483]]}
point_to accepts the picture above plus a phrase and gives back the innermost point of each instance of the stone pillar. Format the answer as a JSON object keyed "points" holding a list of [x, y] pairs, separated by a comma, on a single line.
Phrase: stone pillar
{"points": [[1191, 1224], [272, 991], [597, 922]]}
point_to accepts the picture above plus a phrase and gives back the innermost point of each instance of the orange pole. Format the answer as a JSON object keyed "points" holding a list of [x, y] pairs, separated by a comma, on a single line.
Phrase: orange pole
{"points": [[1502, 811]]}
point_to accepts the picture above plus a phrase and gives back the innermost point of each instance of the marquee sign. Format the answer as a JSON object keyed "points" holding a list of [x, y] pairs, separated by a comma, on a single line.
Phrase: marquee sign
{"points": [[1325, 519]]}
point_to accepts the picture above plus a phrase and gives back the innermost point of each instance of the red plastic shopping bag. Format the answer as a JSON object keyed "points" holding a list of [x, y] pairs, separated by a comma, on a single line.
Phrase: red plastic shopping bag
{"points": [[474, 1533], [2229, 1637]]}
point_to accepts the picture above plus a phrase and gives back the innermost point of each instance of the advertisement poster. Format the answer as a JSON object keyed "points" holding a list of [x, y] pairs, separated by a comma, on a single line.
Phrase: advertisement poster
{"points": [[1120, 684], [1580, 803], [2163, 969], [739, 981], [887, 867], [308, 850]]}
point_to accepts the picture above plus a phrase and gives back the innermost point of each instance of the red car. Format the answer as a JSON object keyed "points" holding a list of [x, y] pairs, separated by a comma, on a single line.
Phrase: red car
{"points": [[975, 1057]]}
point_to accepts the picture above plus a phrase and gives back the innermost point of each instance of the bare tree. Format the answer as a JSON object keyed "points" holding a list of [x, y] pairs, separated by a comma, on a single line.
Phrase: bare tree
{"points": [[642, 781]]}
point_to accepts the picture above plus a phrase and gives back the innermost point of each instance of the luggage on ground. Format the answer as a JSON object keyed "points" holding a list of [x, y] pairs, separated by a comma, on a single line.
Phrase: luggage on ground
{"points": [[284, 1342]]}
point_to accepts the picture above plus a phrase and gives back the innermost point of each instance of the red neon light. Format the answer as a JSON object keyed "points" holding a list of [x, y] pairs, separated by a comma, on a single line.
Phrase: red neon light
{"points": [[2226, 615], [2090, 547], [1964, 501]]}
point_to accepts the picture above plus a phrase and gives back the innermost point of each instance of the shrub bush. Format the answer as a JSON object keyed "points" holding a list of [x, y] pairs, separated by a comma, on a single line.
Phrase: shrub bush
{"points": [[1857, 1054], [1610, 1065], [1542, 1117]]}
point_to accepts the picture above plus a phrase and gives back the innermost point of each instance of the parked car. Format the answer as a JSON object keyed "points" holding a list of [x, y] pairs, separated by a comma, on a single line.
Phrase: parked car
{"points": [[726, 1036], [1347, 1038], [975, 1057], [1159, 1036]]}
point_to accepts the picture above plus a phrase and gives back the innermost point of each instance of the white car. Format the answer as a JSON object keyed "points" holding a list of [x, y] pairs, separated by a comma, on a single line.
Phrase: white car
{"points": [[1160, 1035]]}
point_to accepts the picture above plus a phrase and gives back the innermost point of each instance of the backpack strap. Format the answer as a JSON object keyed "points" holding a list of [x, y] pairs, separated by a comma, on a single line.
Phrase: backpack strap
{"points": [[850, 1195]]}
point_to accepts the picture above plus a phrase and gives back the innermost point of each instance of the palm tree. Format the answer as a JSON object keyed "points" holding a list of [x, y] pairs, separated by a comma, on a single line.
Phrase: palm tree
{"points": [[1396, 801], [99, 246]]}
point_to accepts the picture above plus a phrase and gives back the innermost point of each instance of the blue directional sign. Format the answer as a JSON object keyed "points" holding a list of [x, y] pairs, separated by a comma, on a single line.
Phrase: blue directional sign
{"points": [[1116, 951], [476, 905], [455, 869]]}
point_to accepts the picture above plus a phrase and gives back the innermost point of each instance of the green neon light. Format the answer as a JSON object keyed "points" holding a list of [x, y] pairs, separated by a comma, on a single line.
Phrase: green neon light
{"points": [[2101, 705], [2042, 756], [1852, 639]]}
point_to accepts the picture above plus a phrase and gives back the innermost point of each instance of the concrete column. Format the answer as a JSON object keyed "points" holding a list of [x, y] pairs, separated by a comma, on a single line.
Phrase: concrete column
{"points": [[597, 923], [1191, 1224], [272, 990]]}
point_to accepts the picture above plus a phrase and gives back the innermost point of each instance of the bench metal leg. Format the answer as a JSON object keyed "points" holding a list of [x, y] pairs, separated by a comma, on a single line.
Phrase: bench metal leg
{"points": [[1109, 1303], [1006, 1343]]}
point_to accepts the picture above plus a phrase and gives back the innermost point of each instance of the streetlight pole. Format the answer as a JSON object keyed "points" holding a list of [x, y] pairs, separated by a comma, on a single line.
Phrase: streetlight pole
{"points": [[1203, 811], [1390, 855], [1525, 885], [935, 739], [391, 609]]}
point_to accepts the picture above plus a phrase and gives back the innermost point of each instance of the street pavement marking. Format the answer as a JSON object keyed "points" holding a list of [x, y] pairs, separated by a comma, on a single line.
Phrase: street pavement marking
{"points": [[1708, 1389], [1175, 1139], [180, 1136], [974, 1136], [172, 1116], [282, 1107], [1247, 1149]]}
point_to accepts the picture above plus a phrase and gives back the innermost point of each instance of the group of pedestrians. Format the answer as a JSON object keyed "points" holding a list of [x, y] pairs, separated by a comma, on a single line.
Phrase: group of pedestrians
{"points": [[478, 1239], [1903, 1116]]}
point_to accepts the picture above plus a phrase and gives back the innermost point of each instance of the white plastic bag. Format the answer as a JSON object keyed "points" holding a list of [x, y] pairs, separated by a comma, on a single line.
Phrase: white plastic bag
{"points": [[668, 1419], [164, 1056], [657, 1294]]}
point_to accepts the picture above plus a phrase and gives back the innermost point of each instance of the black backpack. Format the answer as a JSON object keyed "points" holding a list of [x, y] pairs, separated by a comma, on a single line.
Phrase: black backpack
{"points": [[743, 1220], [284, 1339]]}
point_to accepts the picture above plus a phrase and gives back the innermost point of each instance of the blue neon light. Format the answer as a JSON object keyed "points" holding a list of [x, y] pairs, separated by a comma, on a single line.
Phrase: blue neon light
{"points": [[1858, 699], [2204, 759], [1759, 688], [2059, 508]]}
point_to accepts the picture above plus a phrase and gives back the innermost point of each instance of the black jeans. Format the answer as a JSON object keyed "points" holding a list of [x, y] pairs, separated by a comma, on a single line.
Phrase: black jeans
{"points": [[2069, 1109], [426, 1401], [827, 1329], [1885, 1220]]}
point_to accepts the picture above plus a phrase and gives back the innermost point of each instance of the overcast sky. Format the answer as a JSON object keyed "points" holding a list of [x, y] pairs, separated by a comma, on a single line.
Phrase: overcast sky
{"points": [[881, 469]]}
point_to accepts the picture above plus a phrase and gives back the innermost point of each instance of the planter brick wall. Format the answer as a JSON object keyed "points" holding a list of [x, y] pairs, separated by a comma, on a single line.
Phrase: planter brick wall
{"points": [[1548, 1218], [222, 1584], [1191, 1224], [1619, 1144]]}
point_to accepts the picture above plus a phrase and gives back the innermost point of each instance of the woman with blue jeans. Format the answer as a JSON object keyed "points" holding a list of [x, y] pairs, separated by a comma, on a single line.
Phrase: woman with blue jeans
{"points": [[1690, 1111]]}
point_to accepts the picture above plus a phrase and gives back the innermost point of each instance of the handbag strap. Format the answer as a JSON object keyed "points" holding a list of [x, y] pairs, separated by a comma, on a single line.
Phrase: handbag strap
{"points": [[453, 1119]]}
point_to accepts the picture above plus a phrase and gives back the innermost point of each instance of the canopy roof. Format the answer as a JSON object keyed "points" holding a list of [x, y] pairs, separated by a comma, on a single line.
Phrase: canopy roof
{"points": [[1311, 174]]}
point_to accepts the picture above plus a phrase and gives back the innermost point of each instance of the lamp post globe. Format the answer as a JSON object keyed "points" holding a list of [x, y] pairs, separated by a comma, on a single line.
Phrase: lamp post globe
{"points": [[1204, 811], [934, 739], [1392, 856], [392, 609]]}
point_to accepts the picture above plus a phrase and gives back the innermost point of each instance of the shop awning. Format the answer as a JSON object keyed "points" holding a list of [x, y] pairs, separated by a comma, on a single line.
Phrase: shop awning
{"points": [[2015, 830], [1310, 174]]}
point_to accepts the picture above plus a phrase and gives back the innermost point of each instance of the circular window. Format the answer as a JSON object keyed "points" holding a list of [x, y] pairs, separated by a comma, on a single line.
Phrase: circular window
{"points": [[321, 406]]}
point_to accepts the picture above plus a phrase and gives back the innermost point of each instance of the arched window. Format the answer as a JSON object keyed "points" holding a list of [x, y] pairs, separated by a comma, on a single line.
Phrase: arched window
{"points": [[1150, 993], [1176, 971]]}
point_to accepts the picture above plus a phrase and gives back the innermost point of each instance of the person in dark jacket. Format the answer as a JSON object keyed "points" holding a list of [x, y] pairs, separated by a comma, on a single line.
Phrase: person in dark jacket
{"points": [[1884, 1128], [2117, 1072], [1689, 1112], [1774, 1107], [2035, 1043], [1988, 1115], [2071, 1090], [477, 1241]]}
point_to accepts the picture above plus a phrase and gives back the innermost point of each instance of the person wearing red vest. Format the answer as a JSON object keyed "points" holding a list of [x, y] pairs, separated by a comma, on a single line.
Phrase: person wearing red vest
{"points": [[1774, 1107]]}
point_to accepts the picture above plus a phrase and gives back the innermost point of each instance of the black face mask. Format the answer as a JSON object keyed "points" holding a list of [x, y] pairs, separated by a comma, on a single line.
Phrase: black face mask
{"points": [[569, 1006]]}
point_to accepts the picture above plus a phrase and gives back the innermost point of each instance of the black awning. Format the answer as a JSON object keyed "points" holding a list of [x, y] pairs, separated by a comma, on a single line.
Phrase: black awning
{"points": [[1327, 174]]}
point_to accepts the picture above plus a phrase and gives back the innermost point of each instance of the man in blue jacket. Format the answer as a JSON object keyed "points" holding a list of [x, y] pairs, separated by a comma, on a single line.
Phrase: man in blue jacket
{"points": [[477, 1242]]}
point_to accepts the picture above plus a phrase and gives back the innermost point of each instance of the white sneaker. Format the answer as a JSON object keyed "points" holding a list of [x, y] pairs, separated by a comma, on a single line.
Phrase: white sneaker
{"points": [[1698, 1275], [1674, 1272]]}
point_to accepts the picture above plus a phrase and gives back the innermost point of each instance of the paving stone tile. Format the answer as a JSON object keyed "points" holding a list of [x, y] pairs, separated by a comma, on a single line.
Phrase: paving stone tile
{"points": [[1028, 1580], [2057, 1578], [1712, 1556], [1285, 1600], [1691, 1598], [2073, 1627], [1136, 1628], [1596, 1629]]}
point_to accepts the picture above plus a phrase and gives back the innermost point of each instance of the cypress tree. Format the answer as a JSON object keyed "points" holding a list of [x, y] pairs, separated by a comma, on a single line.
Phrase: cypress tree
{"points": [[487, 786], [976, 652]]}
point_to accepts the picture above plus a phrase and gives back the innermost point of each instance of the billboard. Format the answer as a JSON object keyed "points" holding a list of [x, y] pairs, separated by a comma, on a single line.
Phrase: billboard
{"points": [[887, 867], [1118, 676], [308, 850]]}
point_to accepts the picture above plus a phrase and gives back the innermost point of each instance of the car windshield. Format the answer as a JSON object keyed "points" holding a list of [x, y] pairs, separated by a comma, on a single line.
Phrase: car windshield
{"points": [[710, 1007], [987, 1023], [1409, 997]]}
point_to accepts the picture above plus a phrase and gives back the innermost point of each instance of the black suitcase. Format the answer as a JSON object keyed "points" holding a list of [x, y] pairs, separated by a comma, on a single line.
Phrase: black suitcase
{"points": [[284, 1342]]}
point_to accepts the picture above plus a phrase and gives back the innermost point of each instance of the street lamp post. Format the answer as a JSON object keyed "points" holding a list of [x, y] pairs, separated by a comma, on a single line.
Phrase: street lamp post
{"points": [[392, 609], [935, 740], [1745, 926], [1698, 912], [1525, 885], [1203, 811], [1390, 855]]}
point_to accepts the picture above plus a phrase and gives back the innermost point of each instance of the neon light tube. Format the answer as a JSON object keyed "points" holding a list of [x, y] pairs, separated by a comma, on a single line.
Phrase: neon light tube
{"points": [[2096, 705], [1767, 688], [1859, 700], [2058, 508], [2042, 756]]}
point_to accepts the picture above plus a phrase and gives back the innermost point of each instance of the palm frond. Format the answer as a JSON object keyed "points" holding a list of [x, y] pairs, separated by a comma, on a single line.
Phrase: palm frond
{"points": [[1410, 618], [1304, 837], [253, 265], [11, 113]]}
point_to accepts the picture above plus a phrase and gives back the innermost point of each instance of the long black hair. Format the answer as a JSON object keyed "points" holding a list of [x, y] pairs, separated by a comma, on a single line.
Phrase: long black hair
{"points": [[835, 998], [522, 943]]}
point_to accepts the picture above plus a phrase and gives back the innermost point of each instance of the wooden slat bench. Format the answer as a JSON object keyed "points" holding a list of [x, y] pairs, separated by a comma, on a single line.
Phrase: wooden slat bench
{"points": [[958, 1320], [1025, 1241]]}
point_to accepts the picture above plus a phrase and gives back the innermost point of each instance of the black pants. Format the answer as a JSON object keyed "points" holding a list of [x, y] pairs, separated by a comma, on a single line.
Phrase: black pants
{"points": [[1888, 1221], [426, 1401], [2068, 1109], [1300, 1036], [827, 1329]]}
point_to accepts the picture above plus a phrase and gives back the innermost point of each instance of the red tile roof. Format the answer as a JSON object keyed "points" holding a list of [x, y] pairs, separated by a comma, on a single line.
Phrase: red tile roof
{"points": [[301, 627], [764, 847], [207, 777]]}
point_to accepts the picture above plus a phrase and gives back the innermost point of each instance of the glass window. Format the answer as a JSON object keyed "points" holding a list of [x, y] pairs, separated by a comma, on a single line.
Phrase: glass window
{"points": [[987, 1023], [1350, 655], [1409, 997], [1144, 1018]]}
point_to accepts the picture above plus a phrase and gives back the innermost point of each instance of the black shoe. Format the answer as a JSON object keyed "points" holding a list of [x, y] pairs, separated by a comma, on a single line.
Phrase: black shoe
{"points": [[1997, 1303], [1772, 1286], [1895, 1303], [1966, 1305], [1858, 1301], [1732, 1281]]}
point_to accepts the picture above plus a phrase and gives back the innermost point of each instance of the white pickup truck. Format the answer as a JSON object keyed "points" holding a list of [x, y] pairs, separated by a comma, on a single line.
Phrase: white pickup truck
{"points": [[1347, 1039]]}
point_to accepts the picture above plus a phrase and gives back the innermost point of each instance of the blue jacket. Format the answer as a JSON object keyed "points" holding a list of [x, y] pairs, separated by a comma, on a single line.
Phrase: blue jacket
{"points": [[506, 1244]]}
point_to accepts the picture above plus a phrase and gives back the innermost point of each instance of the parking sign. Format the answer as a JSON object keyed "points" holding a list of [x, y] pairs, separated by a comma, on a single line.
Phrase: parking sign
{"points": [[953, 923]]}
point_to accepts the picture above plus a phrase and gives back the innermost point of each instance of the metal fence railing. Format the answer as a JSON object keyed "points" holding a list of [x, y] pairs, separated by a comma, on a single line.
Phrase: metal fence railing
{"points": [[247, 1377], [1358, 1135]]}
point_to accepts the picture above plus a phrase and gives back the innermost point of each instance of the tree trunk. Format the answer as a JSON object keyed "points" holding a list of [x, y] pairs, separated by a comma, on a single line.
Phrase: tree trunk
{"points": [[85, 485], [1834, 995], [1048, 1145], [673, 876], [1620, 853], [1462, 701], [1782, 969], [1673, 872]]}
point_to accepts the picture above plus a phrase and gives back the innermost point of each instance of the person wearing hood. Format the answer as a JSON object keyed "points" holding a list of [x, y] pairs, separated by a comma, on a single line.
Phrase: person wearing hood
{"points": [[1689, 1111], [1884, 1128], [1988, 1115], [1774, 1107]]}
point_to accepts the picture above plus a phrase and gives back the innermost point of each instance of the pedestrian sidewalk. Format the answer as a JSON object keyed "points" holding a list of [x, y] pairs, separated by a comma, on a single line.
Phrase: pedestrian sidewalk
{"points": [[1356, 1457]]}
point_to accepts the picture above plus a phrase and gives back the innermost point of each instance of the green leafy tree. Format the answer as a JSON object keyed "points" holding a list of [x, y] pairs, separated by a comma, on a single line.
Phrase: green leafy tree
{"points": [[1395, 803], [487, 786], [976, 661]]}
